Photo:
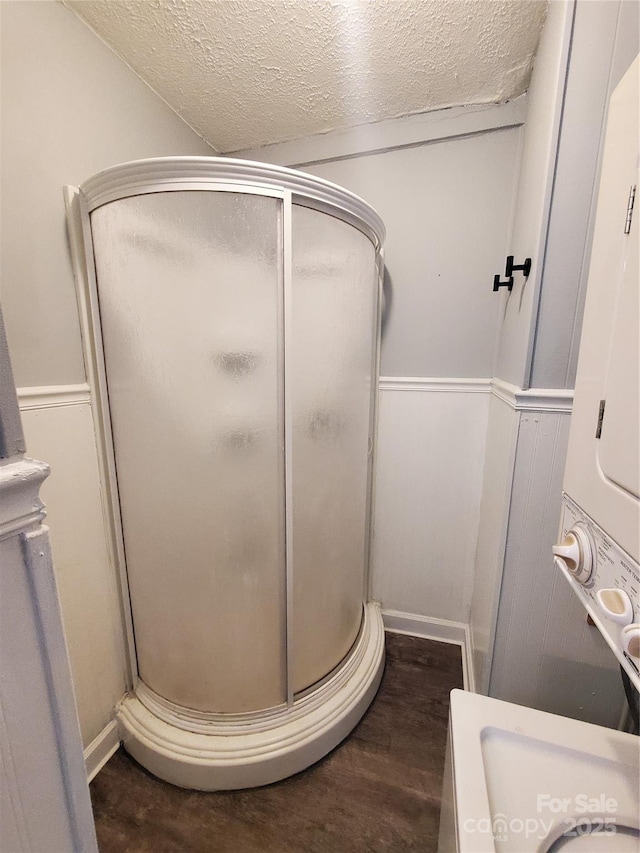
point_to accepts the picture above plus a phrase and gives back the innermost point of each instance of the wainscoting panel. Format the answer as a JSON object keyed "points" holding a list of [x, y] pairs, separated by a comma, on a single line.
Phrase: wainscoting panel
{"points": [[498, 459], [511, 407], [430, 450], [546, 656], [58, 428]]}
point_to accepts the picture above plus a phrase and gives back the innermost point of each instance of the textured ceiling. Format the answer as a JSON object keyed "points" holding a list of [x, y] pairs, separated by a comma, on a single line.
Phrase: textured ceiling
{"points": [[244, 73]]}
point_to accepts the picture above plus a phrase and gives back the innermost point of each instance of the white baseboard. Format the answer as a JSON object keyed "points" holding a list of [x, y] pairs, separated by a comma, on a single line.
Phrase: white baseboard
{"points": [[101, 749], [430, 628]]}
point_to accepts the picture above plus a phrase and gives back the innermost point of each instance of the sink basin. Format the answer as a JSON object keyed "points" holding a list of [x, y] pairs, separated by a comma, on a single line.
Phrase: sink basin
{"points": [[522, 780]]}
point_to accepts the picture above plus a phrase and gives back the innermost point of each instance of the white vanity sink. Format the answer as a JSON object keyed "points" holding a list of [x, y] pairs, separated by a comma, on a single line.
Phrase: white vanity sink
{"points": [[519, 780]]}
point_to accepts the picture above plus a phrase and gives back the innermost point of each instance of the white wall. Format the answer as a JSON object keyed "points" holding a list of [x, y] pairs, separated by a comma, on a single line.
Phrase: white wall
{"points": [[70, 107], [447, 209], [429, 464]]}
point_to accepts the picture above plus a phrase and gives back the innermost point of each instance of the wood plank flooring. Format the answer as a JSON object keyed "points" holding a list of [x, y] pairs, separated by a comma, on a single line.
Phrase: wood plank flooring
{"points": [[378, 791]]}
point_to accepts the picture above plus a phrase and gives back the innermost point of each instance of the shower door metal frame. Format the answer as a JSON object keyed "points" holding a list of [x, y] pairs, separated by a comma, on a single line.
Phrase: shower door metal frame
{"points": [[378, 304], [149, 177], [287, 325]]}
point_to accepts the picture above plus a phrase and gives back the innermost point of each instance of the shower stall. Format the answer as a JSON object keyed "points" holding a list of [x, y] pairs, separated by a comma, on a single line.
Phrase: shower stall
{"points": [[233, 311]]}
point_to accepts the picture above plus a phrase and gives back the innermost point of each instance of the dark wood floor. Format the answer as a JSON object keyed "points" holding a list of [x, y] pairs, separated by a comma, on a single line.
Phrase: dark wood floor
{"points": [[378, 791]]}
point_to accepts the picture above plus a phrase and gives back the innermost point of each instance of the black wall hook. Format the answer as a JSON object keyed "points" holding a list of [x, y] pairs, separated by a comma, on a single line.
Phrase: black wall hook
{"points": [[497, 284], [511, 267]]}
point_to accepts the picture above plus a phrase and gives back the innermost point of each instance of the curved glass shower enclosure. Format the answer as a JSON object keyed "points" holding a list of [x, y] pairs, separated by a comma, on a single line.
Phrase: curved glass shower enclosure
{"points": [[234, 307]]}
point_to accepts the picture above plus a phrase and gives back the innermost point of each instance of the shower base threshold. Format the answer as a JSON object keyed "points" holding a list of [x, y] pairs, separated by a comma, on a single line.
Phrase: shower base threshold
{"points": [[244, 751]]}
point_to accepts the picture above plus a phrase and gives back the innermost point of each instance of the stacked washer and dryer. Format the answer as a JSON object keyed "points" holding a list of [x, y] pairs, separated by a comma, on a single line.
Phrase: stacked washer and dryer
{"points": [[517, 779], [600, 549]]}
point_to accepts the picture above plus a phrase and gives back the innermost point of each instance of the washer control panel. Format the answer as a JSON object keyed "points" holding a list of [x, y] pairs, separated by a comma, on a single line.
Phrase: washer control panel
{"points": [[607, 582], [578, 552]]}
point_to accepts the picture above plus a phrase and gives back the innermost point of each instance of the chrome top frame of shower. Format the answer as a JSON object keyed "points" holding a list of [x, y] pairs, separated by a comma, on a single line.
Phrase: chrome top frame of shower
{"points": [[161, 174]]}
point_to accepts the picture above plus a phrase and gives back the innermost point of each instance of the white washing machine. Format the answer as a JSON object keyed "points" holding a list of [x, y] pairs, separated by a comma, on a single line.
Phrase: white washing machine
{"points": [[523, 781]]}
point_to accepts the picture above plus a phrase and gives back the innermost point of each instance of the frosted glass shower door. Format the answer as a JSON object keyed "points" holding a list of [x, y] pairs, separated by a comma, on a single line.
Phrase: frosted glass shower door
{"points": [[329, 366], [189, 286]]}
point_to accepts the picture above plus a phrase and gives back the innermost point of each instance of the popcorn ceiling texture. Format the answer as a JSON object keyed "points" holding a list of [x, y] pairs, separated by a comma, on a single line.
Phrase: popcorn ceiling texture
{"points": [[244, 73]]}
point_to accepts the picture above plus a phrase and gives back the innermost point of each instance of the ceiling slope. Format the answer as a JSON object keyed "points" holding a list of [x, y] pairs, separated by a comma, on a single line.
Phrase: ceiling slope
{"points": [[245, 73]]}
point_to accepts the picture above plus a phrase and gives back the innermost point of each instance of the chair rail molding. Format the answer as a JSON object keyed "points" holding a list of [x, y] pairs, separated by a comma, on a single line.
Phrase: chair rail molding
{"points": [[21, 507], [429, 383], [533, 399], [52, 396]]}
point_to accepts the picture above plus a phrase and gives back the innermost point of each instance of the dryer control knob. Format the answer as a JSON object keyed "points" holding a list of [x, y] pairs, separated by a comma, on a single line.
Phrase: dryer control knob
{"points": [[576, 551], [616, 605], [630, 639]]}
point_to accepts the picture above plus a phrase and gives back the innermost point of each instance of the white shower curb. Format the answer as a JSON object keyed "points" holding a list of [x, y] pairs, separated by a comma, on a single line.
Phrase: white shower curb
{"points": [[209, 753]]}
